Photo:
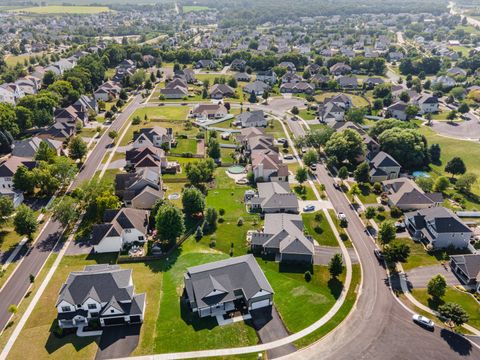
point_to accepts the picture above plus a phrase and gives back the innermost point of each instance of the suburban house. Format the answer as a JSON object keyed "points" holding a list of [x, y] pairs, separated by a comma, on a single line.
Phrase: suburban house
{"points": [[269, 77], [273, 197], [209, 111], [438, 227], [340, 69], [206, 64], [175, 89], [7, 96], [254, 118], [405, 194], [242, 76], [289, 65], [103, 293], [291, 77], [257, 87], [397, 110], [330, 112], [427, 103], [155, 136], [372, 146], [140, 189], [220, 91], [235, 284], [268, 167], [467, 269], [151, 157], [383, 167], [9, 167], [106, 91], [187, 75], [28, 148], [254, 140], [347, 82], [370, 83], [444, 80], [120, 228], [301, 87], [283, 238], [238, 65]]}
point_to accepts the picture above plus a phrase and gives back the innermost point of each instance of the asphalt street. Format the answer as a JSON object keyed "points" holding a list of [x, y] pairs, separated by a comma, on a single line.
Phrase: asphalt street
{"points": [[17, 285], [379, 327]]}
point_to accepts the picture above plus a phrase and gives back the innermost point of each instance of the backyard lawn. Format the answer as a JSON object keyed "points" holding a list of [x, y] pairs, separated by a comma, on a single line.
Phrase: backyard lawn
{"points": [[318, 227], [185, 146]]}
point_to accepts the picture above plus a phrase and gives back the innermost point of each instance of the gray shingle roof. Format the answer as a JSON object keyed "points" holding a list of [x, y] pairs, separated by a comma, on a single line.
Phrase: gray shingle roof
{"points": [[216, 282]]}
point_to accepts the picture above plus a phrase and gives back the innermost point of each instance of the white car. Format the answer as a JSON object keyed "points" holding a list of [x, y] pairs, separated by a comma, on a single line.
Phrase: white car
{"points": [[423, 321], [288, 157], [342, 216]]}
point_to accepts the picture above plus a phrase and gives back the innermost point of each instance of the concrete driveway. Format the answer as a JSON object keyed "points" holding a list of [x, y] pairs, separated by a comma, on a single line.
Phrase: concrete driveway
{"points": [[319, 204], [323, 254], [270, 327], [419, 277], [118, 341]]}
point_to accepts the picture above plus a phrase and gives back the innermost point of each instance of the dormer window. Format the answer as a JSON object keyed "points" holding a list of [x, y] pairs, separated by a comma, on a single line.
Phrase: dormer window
{"points": [[112, 311], [65, 308], [92, 306]]}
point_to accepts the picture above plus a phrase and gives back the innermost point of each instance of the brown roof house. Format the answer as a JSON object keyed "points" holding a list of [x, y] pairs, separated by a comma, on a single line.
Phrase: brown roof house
{"points": [[407, 195], [140, 189], [269, 167]]}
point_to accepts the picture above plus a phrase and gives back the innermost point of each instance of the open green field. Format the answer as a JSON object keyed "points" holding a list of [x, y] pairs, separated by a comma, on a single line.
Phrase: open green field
{"points": [[60, 9], [12, 60], [163, 112], [465, 300], [186, 9], [468, 151]]}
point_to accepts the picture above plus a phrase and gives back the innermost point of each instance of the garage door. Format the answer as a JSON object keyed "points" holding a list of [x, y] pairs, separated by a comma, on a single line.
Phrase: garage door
{"points": [[114, 321], [260, 304], [135, 319]]}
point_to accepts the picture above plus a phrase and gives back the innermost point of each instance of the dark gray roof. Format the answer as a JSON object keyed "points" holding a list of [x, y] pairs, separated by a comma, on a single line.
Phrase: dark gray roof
{"points": [[216, 282], [285, 233], [469, 264], [251, 117], [100, 282], [439, 218], [276, 195], [382, 159]]}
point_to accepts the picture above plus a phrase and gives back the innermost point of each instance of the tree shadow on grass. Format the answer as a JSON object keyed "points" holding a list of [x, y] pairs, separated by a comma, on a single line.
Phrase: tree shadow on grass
{"points": [[336, 287], [434, 303], [456, 342], [55, 343]]}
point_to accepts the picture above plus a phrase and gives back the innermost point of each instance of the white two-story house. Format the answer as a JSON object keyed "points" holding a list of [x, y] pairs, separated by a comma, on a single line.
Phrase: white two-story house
{"points": [[103, 293]]}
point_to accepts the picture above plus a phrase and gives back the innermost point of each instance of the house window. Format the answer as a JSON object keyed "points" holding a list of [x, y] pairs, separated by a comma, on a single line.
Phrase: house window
{"points": [[92, 306], [141, 238], [128, 231], [65, 308], [112, 311]]}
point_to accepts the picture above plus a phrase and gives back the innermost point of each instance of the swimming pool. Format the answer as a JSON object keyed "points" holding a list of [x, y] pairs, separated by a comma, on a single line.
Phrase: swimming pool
{"points": [[418, 174], [236, 169]]}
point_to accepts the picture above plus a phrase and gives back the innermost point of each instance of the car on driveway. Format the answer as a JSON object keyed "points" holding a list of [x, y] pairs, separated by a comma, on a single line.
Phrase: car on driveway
{"points": [[308, 208], [423, 321]]}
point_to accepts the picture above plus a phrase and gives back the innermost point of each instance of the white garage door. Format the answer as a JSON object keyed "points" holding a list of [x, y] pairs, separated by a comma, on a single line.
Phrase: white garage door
{"points": [[260, 304]]}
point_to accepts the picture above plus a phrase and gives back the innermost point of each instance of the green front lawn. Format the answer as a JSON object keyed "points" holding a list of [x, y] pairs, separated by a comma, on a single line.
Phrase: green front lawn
{"points": [[304, 191], [333, 215], [307, 114], [291, 289], [318, 227], [367, 196], [465, 300]]}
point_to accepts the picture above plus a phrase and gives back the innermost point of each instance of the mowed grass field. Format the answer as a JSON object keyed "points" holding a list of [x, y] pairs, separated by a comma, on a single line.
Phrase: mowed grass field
{"points": [[61, 9], [187, 9], [468, 151]]}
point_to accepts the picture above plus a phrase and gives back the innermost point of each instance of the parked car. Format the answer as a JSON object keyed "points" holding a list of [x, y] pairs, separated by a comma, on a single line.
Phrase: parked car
{"points": [[423, 321], [341, 216], [282, 140], [378, 254], [337, 186], [400, 226], [309, 208], [313, 167], [288, 157]]}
